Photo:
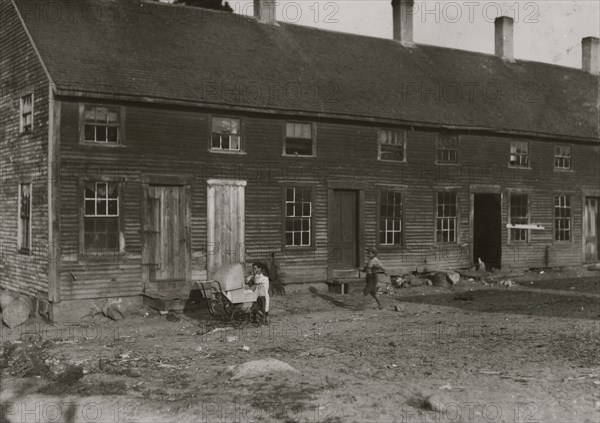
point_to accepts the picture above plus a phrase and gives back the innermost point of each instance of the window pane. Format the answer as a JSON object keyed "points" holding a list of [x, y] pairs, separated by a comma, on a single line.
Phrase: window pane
{"points": [[101, 133], [90, 207], [113, 132], [101, 207], [112, 207], [298, 146], [90, 133]]}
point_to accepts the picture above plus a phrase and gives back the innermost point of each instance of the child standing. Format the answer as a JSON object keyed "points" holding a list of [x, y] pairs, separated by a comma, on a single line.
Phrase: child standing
{"points": [[260, 282], [372, 269]]}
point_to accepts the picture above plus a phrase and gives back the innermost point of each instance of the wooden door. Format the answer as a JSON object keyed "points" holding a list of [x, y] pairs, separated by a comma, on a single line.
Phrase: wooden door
{"points": [[591, 227], [226, 223], [165, 243], [343, 251]]}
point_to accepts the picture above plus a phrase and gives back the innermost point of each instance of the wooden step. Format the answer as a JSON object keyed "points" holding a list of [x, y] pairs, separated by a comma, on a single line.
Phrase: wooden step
{"points": [[345, 273], [342, 285], [165, 300]]}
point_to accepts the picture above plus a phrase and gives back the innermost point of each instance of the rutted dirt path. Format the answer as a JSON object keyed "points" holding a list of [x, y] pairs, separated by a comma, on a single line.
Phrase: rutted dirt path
{"points": [[494, 355]]}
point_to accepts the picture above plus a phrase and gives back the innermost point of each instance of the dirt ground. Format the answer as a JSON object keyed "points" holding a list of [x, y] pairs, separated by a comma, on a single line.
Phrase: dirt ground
{"points": [[479, 352]]}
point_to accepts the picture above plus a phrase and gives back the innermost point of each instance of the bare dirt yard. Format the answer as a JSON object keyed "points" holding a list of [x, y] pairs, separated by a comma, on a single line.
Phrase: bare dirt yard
{"points": [[478, 352]]}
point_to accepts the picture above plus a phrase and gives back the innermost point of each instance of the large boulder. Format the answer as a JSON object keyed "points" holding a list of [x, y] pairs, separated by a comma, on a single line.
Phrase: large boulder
{"points": [[113, 310], [16, 312], [6, 297], [452, 277], [257, 368], [440, 279]]}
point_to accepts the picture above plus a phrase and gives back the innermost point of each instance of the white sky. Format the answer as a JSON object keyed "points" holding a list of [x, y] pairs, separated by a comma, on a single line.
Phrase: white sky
{"points": [[545, 31]]}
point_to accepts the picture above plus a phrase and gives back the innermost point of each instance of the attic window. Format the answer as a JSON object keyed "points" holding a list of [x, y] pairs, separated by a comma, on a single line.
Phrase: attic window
{"points": [[26, 115], [101, 124], [519, 154], [392, 145], [226, 134], [562, 157], [299, 140], [447, 149]]}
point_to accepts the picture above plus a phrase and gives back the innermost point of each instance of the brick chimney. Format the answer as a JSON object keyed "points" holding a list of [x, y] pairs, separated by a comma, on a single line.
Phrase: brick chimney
{"points": [[590, 55], [504, 38], [402, 13], [264, 11]]}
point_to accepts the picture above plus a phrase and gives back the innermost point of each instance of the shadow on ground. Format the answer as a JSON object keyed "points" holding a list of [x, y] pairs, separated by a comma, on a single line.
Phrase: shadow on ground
{"points": [[331, 300], [516, 302]]}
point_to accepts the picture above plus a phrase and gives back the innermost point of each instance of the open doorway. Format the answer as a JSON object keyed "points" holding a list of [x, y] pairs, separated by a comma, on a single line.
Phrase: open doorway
{"points": [[487, 230]]}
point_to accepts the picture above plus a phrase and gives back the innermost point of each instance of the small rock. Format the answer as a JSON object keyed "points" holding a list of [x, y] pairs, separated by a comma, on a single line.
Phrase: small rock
{"points": [[112, 309], [399, 307], [198, 349], [231, 338], [452, 277], [245, 348], [256, 368], [438, 402], [428, 283]]}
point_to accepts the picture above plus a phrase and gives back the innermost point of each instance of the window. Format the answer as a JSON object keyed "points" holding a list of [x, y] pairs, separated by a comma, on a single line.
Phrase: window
{"points": [[447, 213], [562, 218], [519, 154], [26, 115], [226, 134], [390, 218], [562, 157], [298, 216], [101, 124], [299, 139], [392, 145], [447, 149], [24, 223], [519, 215], [101, 218]]}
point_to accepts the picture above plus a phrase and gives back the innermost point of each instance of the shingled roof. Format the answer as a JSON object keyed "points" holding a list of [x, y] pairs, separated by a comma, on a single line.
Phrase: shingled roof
{"points": [[149, 51]]}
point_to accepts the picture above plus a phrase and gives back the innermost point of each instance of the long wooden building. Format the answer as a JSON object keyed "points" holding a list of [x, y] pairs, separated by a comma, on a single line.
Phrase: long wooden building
{"points": [[143, 145]]}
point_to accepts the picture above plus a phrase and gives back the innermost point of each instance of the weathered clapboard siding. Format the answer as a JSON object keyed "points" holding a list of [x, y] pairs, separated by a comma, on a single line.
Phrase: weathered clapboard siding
{"points": [[175, 141], [23, 158]]}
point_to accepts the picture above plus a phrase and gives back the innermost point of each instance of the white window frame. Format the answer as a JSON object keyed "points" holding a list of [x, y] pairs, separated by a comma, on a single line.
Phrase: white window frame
{"points": [[22, 129], [312, 139], [445, 218], [514, 146], [562, 206], [230, 150], [24, 249], [399, 133], [559, 155], [384, 219], [438, 147], [310, 217], [83, 107], [511, 231]]}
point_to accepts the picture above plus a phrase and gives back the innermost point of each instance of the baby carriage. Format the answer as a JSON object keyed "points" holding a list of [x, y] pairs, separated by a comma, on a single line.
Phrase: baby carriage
{"points": [[227, 295]]}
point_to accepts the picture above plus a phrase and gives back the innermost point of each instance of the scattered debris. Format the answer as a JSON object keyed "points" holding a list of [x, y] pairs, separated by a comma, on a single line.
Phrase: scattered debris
{"points": [[231, 338], [507, 283], [481, 265], [245, 348], [399, 307], [319, 352], [446, 387]]}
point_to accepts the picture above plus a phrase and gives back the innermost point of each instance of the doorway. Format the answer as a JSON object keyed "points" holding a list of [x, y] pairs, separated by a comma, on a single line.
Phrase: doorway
{"points": [[165, 243], [343, 230], [487, 229], [226, 223]]}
